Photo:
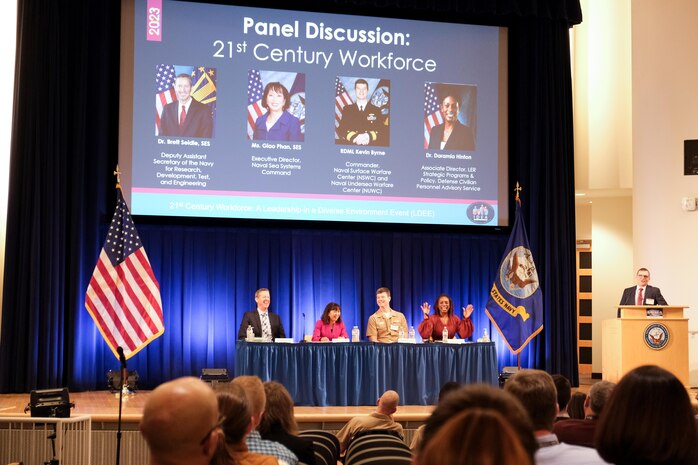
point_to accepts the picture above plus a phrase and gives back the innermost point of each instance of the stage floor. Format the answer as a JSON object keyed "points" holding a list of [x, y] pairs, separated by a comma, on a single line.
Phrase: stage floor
{"points": [[103, 406]]}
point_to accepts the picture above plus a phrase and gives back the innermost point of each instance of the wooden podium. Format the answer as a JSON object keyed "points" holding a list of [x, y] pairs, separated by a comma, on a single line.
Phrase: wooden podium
{"points": [[637, 339]]}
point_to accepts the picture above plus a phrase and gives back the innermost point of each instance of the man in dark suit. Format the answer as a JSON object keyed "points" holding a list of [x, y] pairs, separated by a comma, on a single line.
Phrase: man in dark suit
{"points": [[642, 294], [263, 322], [362, 122], [186, 117]]}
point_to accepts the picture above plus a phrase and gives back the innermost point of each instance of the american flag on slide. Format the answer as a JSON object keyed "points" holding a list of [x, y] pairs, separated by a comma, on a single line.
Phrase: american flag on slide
{"points": [[164, 91], [432, 111], [341, 100], [123, 296], [255, 91]]}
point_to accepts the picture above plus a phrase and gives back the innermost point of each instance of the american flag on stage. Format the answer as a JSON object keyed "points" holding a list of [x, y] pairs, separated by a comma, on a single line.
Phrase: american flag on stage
{"points": [[255, 91], [164, 91], [341, 100], [123, 296], [432, 111]]}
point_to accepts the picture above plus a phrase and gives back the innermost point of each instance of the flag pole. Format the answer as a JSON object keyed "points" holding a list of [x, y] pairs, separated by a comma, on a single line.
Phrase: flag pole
{"points": [[517, 189]]}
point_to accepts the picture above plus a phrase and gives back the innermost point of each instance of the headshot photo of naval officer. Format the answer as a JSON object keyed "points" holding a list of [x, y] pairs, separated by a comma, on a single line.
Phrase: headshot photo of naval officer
{"points": [[362, 111], [450, 116], [185, 101]]}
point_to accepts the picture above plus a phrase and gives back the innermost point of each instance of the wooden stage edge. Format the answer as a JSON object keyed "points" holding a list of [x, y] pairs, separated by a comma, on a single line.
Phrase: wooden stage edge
{"points": [[103, 406]]}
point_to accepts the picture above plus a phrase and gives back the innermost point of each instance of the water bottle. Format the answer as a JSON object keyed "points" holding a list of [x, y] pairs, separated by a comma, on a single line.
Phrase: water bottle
{"points": [[444, 334], [485, 336], [411, 333], [355, 335], [250, 333]]}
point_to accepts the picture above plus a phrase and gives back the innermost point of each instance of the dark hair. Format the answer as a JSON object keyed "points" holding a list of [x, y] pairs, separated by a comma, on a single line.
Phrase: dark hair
{"points": [[485, 397], [648, 420], [326, 313], [232, 403], [575, 407], [276, 87], [476, 436], [564, 391], [450, 304], [383, 289], [360, 81], [535, 390], [278, 411], [448, 387], [186, 76]]}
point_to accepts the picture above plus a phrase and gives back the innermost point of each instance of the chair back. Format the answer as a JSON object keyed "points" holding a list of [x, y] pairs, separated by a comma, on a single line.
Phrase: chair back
{"points": [[383, 447], [326, 446]]}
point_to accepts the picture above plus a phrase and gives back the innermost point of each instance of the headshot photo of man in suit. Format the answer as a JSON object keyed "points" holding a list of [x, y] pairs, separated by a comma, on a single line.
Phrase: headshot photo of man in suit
{"points": [[185, 117], [264, 323], [642, 293]]}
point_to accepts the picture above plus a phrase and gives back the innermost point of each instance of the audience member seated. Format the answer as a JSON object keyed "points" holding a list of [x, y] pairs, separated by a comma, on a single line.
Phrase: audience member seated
{"points": [[581, 432], [279, 424], [237, 423], [330, 325], [179, 423], [575, 408], [448, 386], [648, 420], [431, 329], [481, 398], [535, 389], [564, 392], [382, 418], [475, 436], [254, 390]]}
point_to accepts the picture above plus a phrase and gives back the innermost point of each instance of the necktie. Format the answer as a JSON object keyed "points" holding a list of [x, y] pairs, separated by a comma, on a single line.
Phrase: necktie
{"points": [[639, 297], [266, 327], [182, 117], [361, 108]]}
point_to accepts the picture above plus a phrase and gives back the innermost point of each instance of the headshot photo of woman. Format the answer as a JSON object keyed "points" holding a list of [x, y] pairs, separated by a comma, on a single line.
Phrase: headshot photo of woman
{"points": [[330, 325], [451, 125], [277, 123]]}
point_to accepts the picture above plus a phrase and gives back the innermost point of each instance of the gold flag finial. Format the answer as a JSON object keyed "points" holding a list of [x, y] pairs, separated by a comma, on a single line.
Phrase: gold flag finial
{"points": [[518, 189], [117, 173]]}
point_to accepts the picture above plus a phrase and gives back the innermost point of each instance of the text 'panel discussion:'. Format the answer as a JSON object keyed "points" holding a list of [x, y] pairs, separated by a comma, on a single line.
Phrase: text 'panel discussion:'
{"points": [[314, 233]]}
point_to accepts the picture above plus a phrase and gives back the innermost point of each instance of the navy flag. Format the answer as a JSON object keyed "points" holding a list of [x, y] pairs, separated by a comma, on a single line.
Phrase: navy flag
{"points": [[515, 306]]}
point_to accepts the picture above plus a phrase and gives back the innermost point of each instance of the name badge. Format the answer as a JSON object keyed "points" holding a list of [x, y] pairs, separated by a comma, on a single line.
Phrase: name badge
{"points": [[393, 327]]}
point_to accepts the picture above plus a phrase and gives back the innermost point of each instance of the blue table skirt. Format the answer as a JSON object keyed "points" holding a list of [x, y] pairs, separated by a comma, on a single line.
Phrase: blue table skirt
{"points": [[319, 374]]}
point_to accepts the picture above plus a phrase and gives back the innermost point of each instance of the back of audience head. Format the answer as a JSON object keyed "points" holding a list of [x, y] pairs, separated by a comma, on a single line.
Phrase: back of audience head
{"points": [[254, 390], [179, 422], [648, 420], [564, 391], [448, 387], [237, 423], [476, 435], [575, 408], [388, 402], [279, 410], [486, 398], [599, 393], [535, 389]]}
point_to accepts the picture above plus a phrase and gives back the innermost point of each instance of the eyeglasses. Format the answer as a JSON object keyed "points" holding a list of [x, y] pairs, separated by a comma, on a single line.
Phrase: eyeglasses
{"points": [[218, 424]]}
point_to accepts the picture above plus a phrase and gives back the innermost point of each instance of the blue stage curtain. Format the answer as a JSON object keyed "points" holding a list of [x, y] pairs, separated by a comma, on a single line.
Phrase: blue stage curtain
{"points": [[64, 149]]}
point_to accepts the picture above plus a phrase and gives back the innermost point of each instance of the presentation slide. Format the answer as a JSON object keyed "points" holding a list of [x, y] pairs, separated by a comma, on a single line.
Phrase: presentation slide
{"points": [[256, 113]]}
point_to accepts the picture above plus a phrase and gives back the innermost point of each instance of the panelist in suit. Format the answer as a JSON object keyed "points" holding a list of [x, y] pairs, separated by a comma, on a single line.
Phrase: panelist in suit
{"points": [[264, 323], [451, 134], [187, 117], [642, 293], [330, 326]]}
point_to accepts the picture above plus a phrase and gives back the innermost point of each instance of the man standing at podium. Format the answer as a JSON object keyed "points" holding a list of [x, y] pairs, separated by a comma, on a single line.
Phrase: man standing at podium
{"points": [[643, 293]]}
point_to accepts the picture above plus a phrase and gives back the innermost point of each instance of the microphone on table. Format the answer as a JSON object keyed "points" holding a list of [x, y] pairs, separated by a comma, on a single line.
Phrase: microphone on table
{"points": [[303, 338]]}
